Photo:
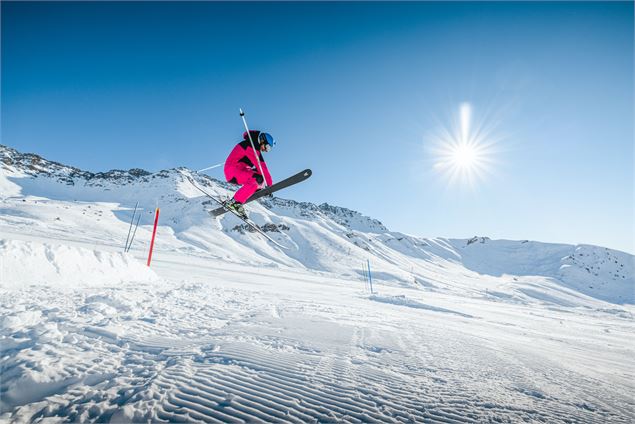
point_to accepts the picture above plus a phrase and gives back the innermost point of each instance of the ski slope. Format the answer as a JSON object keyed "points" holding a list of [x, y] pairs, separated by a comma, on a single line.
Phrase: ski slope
{"points": [[225, 327]]}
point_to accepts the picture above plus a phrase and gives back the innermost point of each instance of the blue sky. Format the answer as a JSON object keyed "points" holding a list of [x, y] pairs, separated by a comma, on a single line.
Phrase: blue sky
{"points": [[356, 91]]}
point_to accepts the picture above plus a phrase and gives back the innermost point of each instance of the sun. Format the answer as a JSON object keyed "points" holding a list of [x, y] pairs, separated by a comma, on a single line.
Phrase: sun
{"points": [[464, 156], [463, 151]]}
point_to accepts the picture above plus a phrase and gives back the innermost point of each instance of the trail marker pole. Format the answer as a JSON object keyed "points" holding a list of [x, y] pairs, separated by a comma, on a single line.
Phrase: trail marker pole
{"points": [[154, 233], [134, 232], [365, 273], [370, 278], [125, 248]]}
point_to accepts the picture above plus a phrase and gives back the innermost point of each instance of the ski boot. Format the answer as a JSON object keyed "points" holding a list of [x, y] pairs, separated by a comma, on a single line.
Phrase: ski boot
{"points": [[237, 207]]}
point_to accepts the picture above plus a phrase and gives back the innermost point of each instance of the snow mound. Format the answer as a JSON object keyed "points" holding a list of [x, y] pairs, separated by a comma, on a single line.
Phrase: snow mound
{"points": [[29, 263]]}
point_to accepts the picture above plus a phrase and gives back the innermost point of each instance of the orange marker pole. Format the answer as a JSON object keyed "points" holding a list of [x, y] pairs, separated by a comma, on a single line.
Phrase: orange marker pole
{"points": [[154, 233]]}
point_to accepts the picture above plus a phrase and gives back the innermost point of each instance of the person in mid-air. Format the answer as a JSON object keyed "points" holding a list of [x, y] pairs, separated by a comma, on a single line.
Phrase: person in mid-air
{"points": [[244, 168]]}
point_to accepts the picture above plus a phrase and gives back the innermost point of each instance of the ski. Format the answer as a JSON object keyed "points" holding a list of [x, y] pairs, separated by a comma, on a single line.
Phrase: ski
{"points": [[247, 221], [297, 178]]}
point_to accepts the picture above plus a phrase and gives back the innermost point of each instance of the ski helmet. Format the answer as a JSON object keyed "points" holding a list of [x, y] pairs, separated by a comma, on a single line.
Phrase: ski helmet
{"points": [[267, 139]]}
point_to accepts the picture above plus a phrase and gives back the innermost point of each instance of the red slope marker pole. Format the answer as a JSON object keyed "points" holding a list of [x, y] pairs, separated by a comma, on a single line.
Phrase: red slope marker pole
{"points": [[154, 233]]}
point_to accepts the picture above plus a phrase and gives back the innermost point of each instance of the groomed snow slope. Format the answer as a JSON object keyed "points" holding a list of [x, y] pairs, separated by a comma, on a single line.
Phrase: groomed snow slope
{"points": [[233, 329]]}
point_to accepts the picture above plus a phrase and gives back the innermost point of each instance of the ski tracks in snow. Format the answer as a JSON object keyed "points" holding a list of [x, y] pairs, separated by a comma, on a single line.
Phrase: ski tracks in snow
{"points": [[190, 351]]}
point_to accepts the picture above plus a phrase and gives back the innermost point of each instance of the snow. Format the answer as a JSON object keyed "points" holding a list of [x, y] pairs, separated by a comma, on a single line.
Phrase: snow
{"points": [[24, 263], [597, 272], [224, 327]]}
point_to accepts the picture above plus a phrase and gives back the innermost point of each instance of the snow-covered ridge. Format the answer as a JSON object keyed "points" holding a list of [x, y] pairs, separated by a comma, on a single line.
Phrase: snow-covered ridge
{"points": [[35, 165], [348, 218], [596, 271], [48, 198]]}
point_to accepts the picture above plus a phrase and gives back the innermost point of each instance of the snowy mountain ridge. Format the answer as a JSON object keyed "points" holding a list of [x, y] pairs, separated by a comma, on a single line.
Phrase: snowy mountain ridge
{"points": [[323, 238], [36, 166]]}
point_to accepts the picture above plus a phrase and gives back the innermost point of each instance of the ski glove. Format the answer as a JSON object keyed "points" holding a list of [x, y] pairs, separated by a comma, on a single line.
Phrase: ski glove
{"points": [[258, 178]]}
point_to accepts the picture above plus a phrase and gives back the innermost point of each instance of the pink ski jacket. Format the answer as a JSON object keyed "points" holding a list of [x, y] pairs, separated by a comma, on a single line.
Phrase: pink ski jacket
{"points": [[242, 160]]}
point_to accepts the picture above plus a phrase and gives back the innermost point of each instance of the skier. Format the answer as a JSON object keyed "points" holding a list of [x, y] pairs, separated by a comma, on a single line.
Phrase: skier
{"points": [[242, 167]]}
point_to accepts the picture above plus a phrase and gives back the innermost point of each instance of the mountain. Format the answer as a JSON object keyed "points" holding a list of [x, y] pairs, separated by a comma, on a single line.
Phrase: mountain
{"points": [[95, 208], [226, 327]]}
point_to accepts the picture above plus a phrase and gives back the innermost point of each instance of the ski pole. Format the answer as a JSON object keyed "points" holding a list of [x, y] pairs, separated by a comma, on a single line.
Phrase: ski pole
{"points": [[125, 248], [242, 115], [210, 167]]}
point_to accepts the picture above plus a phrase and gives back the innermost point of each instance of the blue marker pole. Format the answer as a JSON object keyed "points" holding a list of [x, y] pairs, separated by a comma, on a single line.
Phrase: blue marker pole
{"points": [[370, 278], [365, 275]]}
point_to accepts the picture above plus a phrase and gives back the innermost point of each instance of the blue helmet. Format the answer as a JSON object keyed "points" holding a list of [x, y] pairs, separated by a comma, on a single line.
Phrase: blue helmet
{"points": [[267, 139]]}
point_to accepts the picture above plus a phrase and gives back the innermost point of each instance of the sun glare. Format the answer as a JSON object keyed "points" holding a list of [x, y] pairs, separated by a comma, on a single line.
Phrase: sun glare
{"points": [[463, 151], [464, 156]]}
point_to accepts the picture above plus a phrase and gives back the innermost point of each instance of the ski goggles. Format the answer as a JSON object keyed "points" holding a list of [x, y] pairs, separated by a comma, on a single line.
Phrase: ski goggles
{"points": [[268, 140]]}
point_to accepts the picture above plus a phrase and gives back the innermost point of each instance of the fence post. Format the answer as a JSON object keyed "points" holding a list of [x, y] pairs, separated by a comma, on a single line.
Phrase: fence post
{"points": [[154, 232]]}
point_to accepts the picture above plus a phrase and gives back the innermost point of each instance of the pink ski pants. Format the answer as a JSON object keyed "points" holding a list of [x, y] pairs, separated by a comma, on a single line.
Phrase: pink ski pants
{"points": [[245, 177]]}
